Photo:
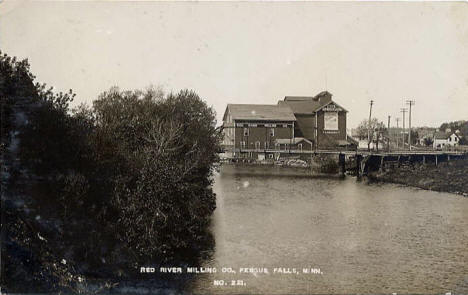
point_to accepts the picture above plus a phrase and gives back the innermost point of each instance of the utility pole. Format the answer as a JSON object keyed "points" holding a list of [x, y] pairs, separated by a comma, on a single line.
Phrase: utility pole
{"points": [[410, 103], [403, 110], [369, 127], [397, 137], [388, 133]]}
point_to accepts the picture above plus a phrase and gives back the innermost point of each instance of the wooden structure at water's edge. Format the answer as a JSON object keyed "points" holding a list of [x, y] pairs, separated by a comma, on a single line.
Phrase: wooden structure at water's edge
{"points": [[365, 161]]}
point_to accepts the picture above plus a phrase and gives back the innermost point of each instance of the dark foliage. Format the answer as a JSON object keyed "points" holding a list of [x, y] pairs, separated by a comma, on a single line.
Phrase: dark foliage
{"points": [[127, 181], [16, 83], [457, 125], [461, 125], [329, 166], [428, 141], [166, 148], [448, 176]]}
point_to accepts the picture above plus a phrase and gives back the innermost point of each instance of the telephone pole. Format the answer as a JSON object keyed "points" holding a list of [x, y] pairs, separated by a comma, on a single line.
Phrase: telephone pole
{"points": [[403, 110], [388, 133], [369, 127], [410, 103], [397, 137]]}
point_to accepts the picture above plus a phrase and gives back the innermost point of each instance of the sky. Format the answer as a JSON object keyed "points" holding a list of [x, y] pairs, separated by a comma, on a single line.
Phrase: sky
{"points": [[253, 52]]}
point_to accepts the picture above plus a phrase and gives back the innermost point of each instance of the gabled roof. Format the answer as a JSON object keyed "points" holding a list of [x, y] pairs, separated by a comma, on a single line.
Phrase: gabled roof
{"points": [[307, 105], [295, 140], [444, 135], [301, 106], [331, 102], [259, 112]]}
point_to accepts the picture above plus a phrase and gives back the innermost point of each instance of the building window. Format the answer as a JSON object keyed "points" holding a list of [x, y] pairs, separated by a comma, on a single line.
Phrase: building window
{"points": [[272, 131], [257, 145], [270, 156], [246, 131], [300, 146], [242, 144], [331, 121], [267, 144]]}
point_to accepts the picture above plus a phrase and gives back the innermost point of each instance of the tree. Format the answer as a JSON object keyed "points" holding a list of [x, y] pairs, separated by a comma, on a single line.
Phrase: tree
{"points": [[166, 148], [134, 170], [376, 129], [44, 161], [461, 125], [428, 141], [414, 137], [16, 86]]}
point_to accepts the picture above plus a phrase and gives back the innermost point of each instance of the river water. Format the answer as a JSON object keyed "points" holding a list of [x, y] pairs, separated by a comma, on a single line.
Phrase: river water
{"points": [[364, 238]]}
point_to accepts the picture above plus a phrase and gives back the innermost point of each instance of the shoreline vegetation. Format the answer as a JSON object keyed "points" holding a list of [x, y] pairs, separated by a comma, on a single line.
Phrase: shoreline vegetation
{"points": [[319, 165], [450, 177]]}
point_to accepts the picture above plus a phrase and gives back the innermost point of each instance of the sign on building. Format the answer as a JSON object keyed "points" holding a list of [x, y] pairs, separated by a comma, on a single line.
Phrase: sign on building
{"points": [[331, 121]]}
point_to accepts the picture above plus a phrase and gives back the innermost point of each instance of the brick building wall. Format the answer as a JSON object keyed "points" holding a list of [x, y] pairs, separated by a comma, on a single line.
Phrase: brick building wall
{"points": [[330, 138], [261, 135]]}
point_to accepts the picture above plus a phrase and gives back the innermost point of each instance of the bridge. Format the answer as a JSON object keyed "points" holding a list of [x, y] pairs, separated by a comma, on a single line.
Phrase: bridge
{"points": [[367, 160], [351, 152]]}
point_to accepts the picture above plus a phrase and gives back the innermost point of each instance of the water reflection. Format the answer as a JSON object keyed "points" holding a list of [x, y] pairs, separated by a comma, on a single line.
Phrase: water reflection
{"points": [[364, 238]]}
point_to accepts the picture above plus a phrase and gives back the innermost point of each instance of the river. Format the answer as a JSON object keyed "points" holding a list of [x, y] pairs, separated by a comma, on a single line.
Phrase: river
{"points": [[364, 238]]}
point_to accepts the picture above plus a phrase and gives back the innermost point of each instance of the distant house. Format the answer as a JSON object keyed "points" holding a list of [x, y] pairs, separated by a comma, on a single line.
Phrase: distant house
{"points": [[446, 139], [295, 123]]}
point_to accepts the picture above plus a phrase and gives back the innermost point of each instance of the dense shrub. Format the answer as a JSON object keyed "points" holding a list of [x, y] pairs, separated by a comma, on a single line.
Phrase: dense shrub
{"points": [[106, 187], [167, 147], [329, 165]]}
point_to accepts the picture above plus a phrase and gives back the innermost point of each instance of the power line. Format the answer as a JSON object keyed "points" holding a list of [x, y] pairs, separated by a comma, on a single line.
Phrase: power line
{"points": [[403, 110], [410, 103], [369, 125], [397, 137], [388, 132]]}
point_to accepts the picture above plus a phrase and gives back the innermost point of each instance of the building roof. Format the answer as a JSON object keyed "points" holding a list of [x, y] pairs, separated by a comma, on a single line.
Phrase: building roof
{"points": [[301, 107], [298, 98], [308, 104], [284, 141], [342, 142], [295, 140], [444, 135], [259, 112]]}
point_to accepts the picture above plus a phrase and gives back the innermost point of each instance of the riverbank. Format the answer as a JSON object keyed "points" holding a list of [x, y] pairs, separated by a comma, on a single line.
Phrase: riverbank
{"points": [[451, 177], [250, 169], [317, 164]]}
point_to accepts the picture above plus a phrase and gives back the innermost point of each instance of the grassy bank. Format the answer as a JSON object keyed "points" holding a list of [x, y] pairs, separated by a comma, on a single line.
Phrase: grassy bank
{"points": [[449, 177]]}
